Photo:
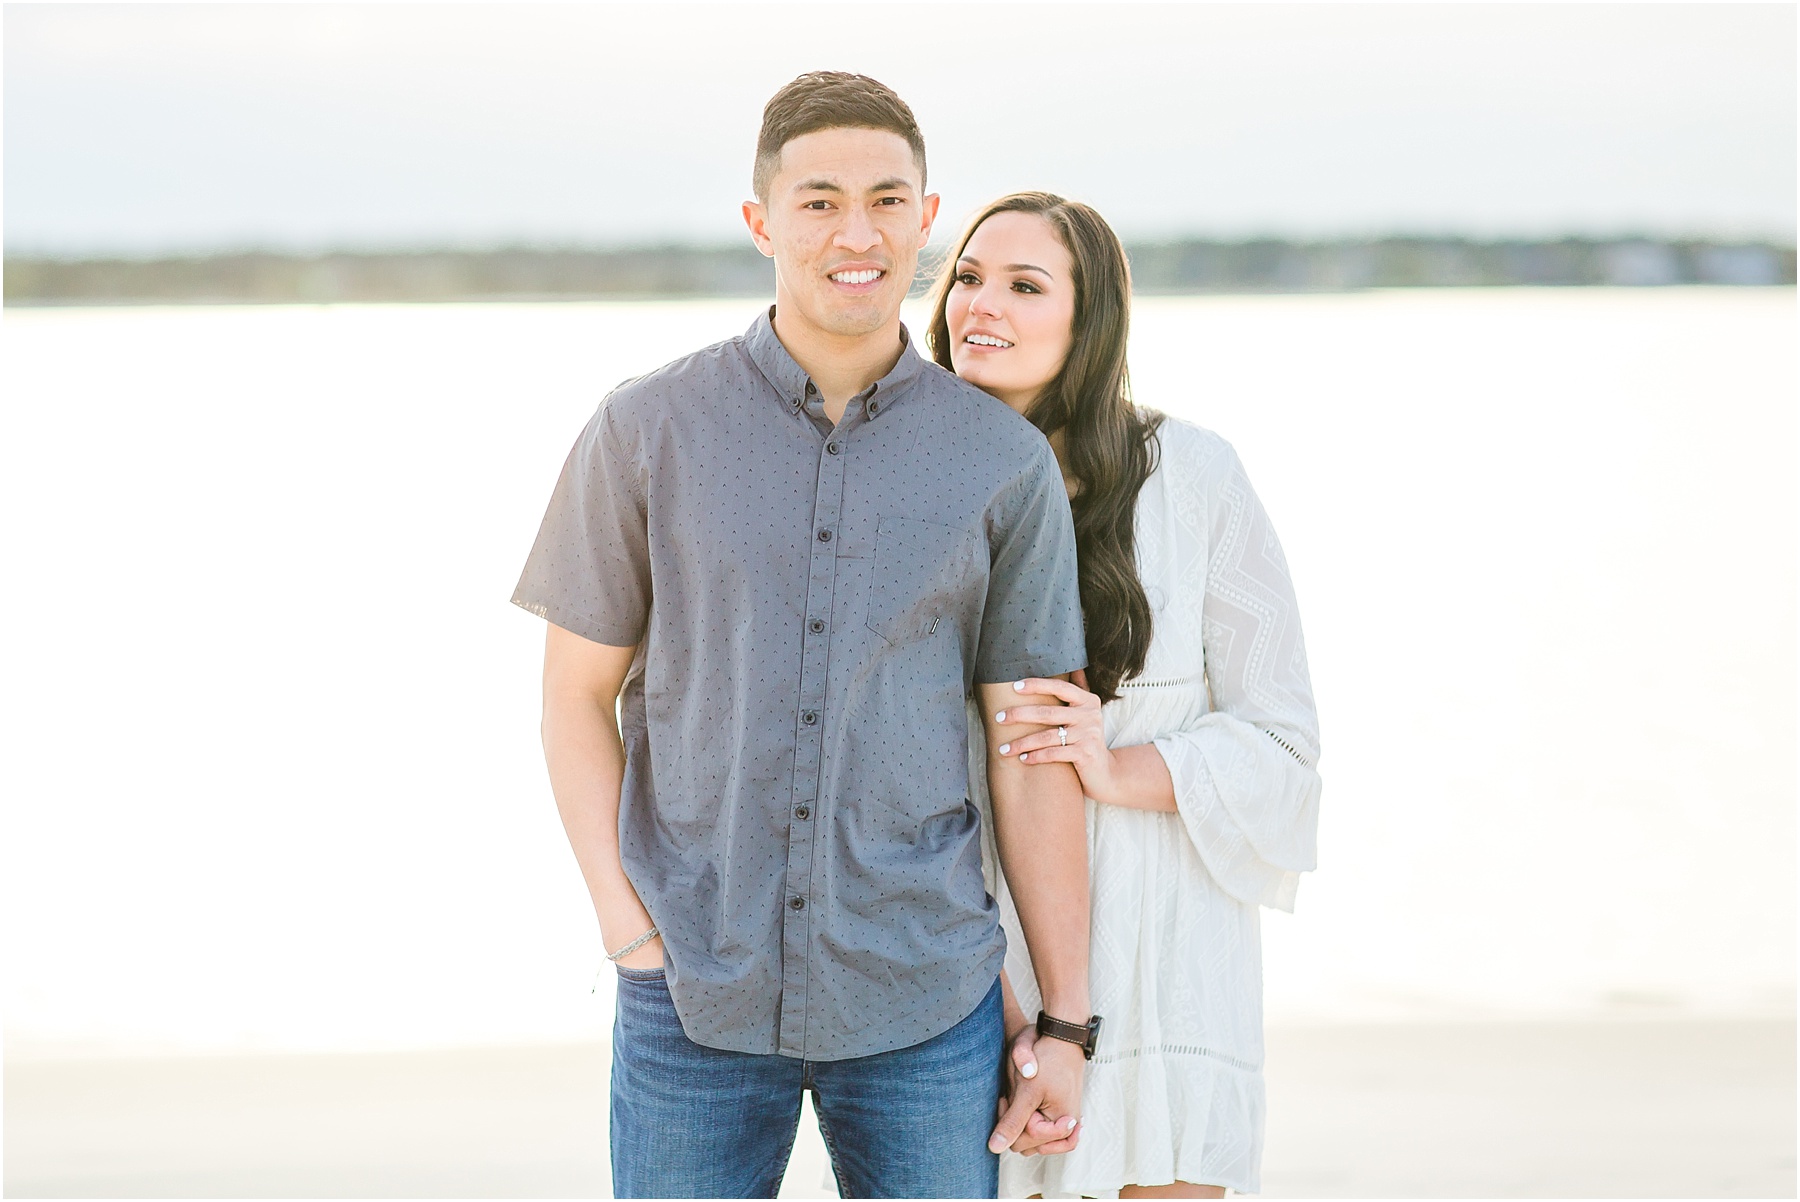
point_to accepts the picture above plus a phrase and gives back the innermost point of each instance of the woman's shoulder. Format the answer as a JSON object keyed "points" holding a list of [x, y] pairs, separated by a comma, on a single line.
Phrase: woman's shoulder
{"points": [[1189, 451]]}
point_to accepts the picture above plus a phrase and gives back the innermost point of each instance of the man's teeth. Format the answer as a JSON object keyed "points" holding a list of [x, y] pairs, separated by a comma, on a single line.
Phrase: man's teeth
{"points": [[856, 277], [985, 340]]}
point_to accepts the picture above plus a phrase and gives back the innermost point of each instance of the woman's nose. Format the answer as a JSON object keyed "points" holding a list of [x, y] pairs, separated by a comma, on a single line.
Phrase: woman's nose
{"points": [[986, 302]]}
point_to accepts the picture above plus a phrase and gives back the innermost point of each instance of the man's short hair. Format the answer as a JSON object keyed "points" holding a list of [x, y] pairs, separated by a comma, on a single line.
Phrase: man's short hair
{"points": [[830, 100]]}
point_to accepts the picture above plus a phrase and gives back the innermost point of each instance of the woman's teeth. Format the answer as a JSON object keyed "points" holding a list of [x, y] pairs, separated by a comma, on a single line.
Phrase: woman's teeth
{"points": [[856, 277], [985, 340]]}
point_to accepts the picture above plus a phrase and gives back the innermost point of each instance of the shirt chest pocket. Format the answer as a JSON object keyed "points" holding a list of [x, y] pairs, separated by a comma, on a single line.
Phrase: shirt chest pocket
{"points": [[921, 578]]}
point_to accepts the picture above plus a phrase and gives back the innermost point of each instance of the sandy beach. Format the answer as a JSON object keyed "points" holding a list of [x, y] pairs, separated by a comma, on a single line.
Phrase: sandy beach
{"points": [[1620, 1108]]}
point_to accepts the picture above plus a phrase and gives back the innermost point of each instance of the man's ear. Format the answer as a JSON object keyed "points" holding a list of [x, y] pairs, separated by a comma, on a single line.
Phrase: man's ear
{"points": [[929, 206], [757, 219]]}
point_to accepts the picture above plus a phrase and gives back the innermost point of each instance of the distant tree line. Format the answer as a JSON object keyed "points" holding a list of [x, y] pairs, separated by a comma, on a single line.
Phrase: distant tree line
{"points": [[1178, 266]]}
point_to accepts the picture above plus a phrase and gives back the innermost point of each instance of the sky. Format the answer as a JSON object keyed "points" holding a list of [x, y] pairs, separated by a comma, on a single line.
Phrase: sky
{"points": [[151, 129]]}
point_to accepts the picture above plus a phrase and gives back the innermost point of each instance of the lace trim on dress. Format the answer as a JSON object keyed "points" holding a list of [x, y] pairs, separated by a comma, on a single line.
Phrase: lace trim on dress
{"points": [[1175, 682], [1177, 1049], [1171, 682], [1290, 749]]}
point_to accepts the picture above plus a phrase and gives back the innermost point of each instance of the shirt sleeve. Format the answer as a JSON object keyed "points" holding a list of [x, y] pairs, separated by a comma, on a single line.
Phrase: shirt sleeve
{"points": [[1031, 625], [589, 571], [1245, 782]]}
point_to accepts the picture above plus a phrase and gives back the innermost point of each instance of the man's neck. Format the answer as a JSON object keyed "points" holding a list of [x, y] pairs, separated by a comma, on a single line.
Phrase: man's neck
{"points": [[840, 366]]}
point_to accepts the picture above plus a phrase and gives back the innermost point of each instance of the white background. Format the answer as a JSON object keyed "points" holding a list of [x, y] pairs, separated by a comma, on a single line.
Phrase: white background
{"points": [[140, 128], [274, 780]]}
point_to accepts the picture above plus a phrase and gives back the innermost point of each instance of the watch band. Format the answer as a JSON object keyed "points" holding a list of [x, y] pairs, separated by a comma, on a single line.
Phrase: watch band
{"points": [[1083, 1035]]}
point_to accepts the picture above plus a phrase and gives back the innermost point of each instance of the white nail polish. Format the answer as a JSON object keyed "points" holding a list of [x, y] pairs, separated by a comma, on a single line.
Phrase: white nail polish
{"points": [[1018, 686], [1005, 748], [1028, 1072], [1024, 756], [1000, 717]]}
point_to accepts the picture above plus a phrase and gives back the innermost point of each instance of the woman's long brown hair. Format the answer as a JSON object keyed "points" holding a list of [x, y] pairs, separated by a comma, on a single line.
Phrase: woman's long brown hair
{"points": [[1106, 440]]}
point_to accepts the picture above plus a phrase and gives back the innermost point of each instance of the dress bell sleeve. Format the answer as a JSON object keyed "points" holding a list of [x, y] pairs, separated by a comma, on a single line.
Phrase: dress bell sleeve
{"points": [[1245, 783]]}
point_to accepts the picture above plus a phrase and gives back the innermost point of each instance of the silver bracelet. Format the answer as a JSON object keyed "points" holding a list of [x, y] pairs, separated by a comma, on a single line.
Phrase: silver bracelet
{"points": [[640, 941]]}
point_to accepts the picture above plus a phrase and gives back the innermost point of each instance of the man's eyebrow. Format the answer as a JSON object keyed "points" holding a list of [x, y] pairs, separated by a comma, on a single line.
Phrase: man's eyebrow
{"points": [[973, 262], [897, 183]]}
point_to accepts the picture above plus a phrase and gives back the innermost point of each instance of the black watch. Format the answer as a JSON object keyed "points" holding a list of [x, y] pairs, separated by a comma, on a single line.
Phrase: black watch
{"points": [[1083, 1035]]}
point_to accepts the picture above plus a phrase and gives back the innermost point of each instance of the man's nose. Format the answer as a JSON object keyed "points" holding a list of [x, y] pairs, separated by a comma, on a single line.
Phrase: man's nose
{"points": [[856, 233]]}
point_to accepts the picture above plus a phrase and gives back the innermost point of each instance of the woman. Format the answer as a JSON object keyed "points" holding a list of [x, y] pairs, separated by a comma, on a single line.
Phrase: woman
{"points": [[1192, 729]]}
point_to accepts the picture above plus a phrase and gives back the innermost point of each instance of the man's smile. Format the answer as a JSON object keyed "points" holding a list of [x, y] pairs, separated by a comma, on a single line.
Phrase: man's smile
{"points": [[857, 277]]}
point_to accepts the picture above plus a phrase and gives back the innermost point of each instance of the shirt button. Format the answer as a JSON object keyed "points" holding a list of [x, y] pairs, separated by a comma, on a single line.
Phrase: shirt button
{"points": [[802, 812], [796, 903], [824, 536], [817, 626], [831, 448], [874, 408], [810, 717], [809, 388]]}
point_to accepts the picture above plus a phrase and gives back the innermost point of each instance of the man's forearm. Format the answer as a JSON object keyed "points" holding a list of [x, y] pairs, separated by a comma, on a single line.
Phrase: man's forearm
{"points": [[1040, 828], [587, 768], [1011, 1012], [1042, 838]]}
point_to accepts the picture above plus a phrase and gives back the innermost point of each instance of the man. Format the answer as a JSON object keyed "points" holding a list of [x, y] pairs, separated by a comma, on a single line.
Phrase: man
{"points": [[795, 553]]}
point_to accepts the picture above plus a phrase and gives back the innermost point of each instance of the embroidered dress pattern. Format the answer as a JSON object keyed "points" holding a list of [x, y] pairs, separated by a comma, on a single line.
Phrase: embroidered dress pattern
{"points": [[1175, 1090]]}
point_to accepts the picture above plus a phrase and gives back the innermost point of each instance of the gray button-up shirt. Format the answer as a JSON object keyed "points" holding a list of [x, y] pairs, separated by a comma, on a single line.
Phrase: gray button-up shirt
{"points": [[811, 608]]}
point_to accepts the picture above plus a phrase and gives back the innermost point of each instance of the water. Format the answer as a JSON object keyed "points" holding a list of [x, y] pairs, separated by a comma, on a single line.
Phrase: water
{"points": [[276, 782]]}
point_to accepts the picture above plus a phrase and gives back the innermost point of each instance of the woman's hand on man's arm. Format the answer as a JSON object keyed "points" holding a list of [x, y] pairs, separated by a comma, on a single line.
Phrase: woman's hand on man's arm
{"points": [[1133, 777]]}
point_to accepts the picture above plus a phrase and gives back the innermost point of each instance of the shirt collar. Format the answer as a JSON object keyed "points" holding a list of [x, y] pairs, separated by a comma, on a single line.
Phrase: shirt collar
{"points": [[791, 382]]}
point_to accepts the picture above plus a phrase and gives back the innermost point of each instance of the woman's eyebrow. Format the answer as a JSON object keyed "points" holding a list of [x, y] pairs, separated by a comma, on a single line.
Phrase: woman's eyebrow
{"points": [[973, 262]]}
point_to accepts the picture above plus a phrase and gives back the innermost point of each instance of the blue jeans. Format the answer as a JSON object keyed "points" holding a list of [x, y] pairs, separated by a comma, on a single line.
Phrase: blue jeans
{"points": [[696, 1122]]}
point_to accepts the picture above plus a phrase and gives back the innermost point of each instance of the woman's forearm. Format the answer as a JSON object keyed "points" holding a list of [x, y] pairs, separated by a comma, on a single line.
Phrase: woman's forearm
{"points": [[1141, 780]]}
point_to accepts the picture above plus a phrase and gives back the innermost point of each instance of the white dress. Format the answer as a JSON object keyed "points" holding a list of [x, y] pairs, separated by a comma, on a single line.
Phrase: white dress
{"points": [[1175, 1089]]}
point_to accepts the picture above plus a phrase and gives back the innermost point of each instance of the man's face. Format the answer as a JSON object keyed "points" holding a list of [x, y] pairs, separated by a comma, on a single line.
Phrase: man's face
{"points": [[844, 221]]}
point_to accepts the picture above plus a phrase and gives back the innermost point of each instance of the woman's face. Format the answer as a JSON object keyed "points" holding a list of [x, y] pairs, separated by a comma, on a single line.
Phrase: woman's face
{"points": [[1011, 308]]}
